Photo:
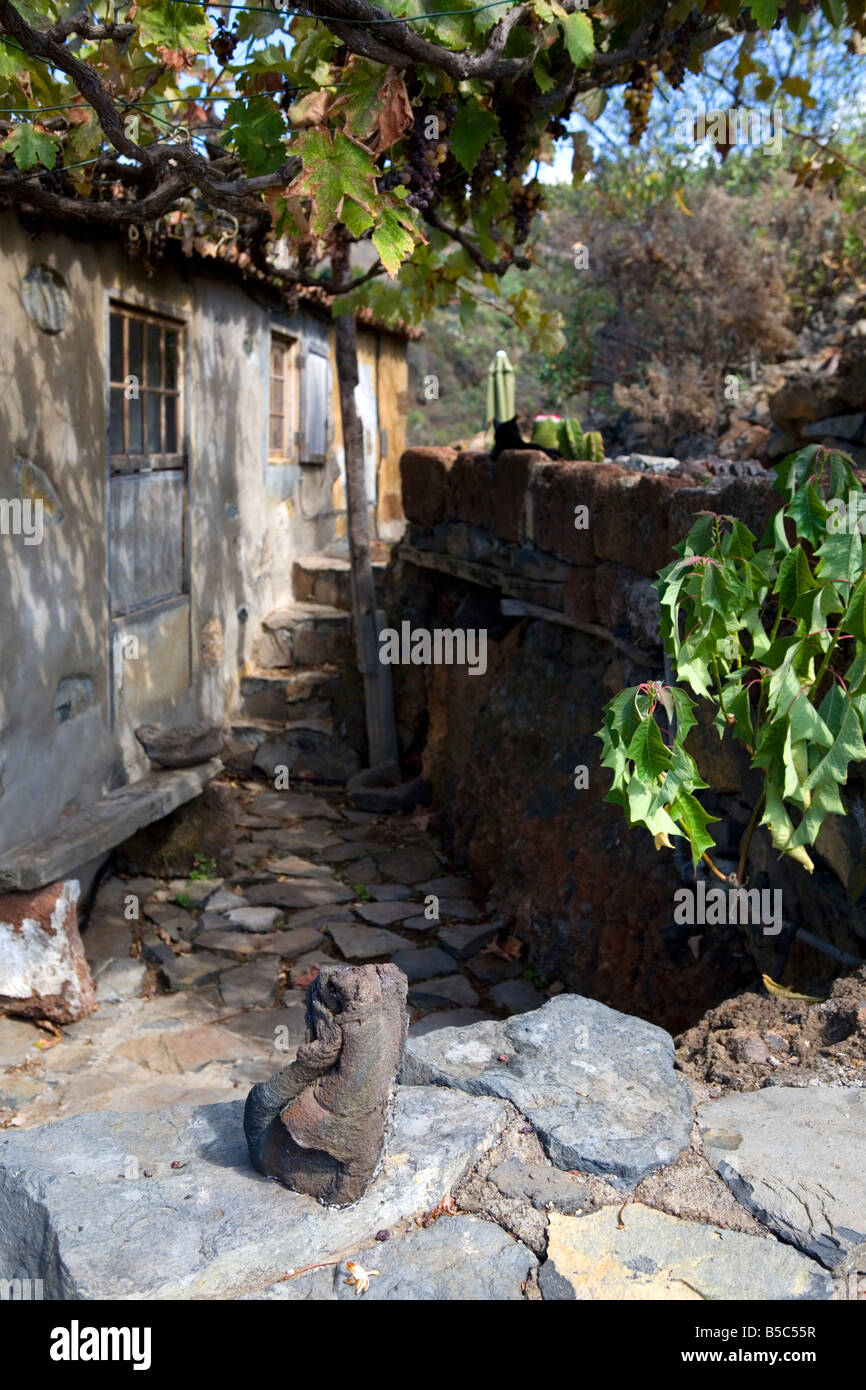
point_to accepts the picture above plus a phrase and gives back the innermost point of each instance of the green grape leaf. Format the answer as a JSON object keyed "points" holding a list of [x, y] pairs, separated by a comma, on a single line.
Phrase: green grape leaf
{"points": [[335, 167], [30, 147], [470, 132], [579, 40]]}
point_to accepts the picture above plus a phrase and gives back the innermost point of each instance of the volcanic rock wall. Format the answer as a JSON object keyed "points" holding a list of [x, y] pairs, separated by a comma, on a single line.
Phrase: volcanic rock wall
{"points": [[556, 561]]}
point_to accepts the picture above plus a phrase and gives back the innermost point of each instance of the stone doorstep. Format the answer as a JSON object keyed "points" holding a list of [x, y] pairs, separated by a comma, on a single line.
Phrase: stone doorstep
{"points": [[101, 827]]}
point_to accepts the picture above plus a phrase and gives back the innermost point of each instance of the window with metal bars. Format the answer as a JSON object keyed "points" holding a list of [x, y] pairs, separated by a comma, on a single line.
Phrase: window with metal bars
{"points": [[147, 503]]}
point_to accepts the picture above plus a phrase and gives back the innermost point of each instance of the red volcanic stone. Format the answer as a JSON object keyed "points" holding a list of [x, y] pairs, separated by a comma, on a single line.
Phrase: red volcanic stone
{"points": [[578, 595], [513, 473], [557, 489], [424, 476], [469, 490], [634, 522], [43, 972]]}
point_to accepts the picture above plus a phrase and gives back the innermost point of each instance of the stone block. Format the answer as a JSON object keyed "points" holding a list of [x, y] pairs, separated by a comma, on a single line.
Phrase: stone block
{"points": [[43, 970], [424, 478]]}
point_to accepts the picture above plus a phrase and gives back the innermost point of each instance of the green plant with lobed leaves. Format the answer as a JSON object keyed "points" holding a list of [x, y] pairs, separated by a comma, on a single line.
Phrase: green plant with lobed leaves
{"points": [[774, 637]]}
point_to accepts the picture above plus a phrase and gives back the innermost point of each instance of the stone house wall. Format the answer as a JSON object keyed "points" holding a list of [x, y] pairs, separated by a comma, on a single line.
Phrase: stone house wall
{"points": [[69, 697]]}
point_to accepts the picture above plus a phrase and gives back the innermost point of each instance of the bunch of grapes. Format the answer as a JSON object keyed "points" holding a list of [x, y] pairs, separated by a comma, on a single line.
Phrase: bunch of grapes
{"points": [[288, 95], [425, 153], [638, 99], [224, 41], [513, 123], [524, 205]]}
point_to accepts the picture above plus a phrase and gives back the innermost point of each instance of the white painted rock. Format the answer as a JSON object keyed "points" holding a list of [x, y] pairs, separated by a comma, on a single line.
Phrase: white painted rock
{"points": [[43, 970]]}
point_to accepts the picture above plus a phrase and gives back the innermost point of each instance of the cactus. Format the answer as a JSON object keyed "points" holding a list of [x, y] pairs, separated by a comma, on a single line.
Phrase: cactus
{"points": [[545, 432], [570, 437], [593, 447]]}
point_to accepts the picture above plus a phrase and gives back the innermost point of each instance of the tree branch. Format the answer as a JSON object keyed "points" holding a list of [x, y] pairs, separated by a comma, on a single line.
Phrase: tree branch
{"points": [[487, 266]]}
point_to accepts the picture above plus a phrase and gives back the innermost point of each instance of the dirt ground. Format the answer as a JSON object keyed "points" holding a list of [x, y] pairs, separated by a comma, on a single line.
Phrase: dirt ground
{"points": [[759, 1039]]}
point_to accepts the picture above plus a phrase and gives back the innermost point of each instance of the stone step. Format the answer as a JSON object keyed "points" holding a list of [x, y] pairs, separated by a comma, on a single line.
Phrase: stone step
{"points": [[324, 579], [287, 693], [303, 634]]}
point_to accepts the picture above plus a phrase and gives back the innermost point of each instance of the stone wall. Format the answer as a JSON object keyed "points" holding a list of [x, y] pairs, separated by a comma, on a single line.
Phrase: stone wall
{"points": [[571, 616]]}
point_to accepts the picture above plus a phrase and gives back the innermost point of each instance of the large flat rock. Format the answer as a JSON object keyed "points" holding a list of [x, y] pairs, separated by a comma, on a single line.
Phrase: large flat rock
{"points": [[104, 825], [599, 1086], [649, 1255], [794, 1157], [213, 1227], [456, 1260]]}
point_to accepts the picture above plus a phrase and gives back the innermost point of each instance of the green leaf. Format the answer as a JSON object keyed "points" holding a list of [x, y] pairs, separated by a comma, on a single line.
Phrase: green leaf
{"points": [[690, 814], [809, 512], [334, 168], [579, 40], [393, 242], [834, 11], [357, 219], [765, 12], [470, 132], [854, 617], [795, 577], [164, 24], [30, 147], [648, 752]]}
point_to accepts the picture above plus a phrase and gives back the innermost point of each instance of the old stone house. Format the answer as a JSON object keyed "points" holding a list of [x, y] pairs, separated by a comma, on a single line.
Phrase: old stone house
{"points": [[170, 452]]}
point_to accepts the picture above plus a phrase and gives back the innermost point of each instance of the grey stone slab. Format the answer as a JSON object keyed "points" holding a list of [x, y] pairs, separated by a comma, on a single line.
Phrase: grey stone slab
{"points": [[246, 944], [224, 901], [91, 833], [278, 1032], [192, 972], [418, 924], [492, 969], [320, 916], [447, 1018], [449, 886], [119, 980], [468, 938], [423, 962], [793, 1156], [598, 1086], [299, 892], [649, 1255], [296, 867], [383, 914], [457, 910], [214, 1227], [156, 951], [254, 919], [197, 890], [457, 1259], [447, 989], [390, 892], [408, 865], [517, 996], [543, 1187], [288, 804], [340, 853], [364, 943], [248, 986]]}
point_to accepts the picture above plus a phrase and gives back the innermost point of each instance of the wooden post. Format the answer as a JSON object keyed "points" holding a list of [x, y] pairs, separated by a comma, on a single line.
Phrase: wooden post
{"points": [[378, 693]]}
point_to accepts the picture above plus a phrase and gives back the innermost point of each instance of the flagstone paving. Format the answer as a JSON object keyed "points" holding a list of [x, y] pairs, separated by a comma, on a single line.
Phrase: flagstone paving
{"points": [[201, 982]]}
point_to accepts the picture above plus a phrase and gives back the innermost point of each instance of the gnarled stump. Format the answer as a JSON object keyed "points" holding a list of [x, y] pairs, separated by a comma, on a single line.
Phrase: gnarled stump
{"points": [[320, 1125]]}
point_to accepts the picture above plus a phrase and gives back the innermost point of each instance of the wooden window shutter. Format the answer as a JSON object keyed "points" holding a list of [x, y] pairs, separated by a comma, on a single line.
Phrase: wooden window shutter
{"points": [[315, 404]]}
